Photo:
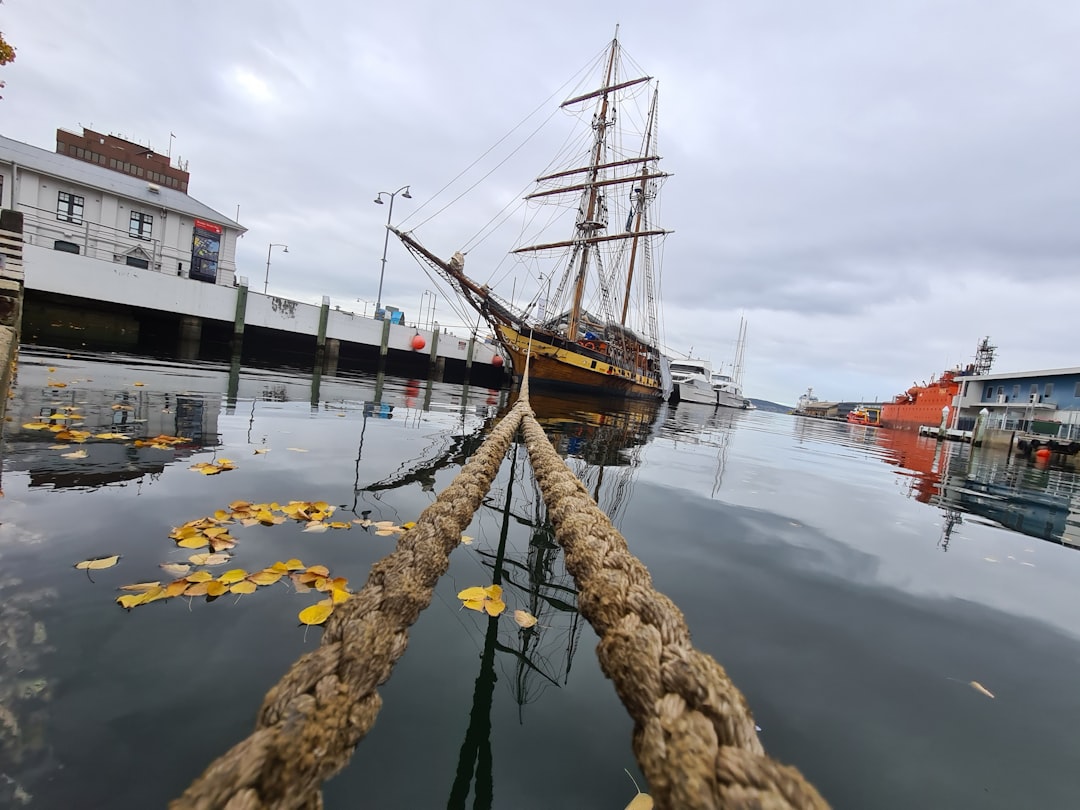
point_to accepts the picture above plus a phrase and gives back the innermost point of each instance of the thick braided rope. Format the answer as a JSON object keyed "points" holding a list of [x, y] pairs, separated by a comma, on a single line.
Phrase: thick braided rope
{"points": [[311, 721], [694, 736]]}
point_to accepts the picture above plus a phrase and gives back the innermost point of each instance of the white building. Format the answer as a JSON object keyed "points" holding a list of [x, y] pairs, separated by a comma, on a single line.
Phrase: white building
{"points": [[113, 202]]}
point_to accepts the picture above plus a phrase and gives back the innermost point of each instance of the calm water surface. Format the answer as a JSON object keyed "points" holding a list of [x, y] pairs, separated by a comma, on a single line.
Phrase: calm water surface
{"points": [[853, 581]]}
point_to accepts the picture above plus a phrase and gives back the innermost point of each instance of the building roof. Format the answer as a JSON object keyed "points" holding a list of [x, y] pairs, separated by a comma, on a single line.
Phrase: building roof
{"points": [[93, 176], [1016, 375]]}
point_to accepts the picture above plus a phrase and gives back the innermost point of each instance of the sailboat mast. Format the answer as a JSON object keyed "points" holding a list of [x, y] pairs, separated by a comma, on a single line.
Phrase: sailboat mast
{"points": [[583, 226], [638, 193]]}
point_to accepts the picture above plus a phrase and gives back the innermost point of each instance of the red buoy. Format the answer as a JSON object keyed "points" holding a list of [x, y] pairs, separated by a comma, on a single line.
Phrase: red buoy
{"points": [[1042, 454], [418, 342], [497, 361]]}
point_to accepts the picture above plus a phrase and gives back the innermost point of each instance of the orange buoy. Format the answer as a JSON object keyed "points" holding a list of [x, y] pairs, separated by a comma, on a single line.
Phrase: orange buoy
{"points": [[418, 342], [1043, 453], [497, 361]]}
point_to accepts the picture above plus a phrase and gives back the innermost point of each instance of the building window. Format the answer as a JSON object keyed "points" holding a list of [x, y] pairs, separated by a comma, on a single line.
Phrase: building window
{"points": [[1076, 391], [135, 261], [1034, 388], [1016, 391], [141, 226], [1048, 389], [65, 247], [69, 207]]}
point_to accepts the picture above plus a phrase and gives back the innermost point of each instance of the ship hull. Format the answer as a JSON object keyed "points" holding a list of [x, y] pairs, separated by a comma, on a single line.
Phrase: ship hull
{"points": [[922, 405], [565, 366]]}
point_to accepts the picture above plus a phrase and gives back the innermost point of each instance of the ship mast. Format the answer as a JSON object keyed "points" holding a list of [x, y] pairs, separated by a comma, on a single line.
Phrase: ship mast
{"points": [[600, 126], [638, 196]]}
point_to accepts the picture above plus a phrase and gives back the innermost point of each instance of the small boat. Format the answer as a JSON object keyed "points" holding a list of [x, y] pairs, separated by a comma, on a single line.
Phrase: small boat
{"points": [[728, 387], [607, 194], [693, 381], [864, 415]]}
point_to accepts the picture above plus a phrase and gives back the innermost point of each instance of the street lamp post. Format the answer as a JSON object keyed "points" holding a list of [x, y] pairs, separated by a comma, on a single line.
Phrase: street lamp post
{"points": [[386, 238], [266, 281], [427, 322]]}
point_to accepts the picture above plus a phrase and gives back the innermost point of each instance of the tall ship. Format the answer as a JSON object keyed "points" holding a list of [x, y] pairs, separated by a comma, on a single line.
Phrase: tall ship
{"points": [[923, 404], [598, 332]]}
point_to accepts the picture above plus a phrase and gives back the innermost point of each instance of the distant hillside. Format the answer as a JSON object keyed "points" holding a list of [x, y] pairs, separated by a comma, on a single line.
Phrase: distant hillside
{"points": [[765, 405]]}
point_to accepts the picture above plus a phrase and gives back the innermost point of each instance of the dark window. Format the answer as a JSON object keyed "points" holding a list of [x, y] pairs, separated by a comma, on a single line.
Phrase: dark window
{"points": [[1034, 388], [1016, 391], [1048, 389], [141, 226], [135, 261], [69, 207], [65, 246], [1001, 390], [113, 164], [1076, 391]]}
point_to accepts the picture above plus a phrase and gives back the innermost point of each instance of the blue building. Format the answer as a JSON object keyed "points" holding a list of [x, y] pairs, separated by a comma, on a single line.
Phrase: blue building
{"points": [[1038, 401]]}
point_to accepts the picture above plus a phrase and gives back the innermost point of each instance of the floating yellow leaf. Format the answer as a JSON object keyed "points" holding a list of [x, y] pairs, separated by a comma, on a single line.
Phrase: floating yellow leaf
{"points": [[236, 506], [59, 446], [195, 541], [466, 540], [295, 565], [216, 588], [153, 595], [260, 450], [339, 595], [487, 599], [337, 524], [98, 562], [320, 570], [57, 385], [316, 614], [235, 575], [139, 587], [176, 569], [130, 600], [176, 587], [244, 586], [384, 524], [209, 559], [266, 577], [524, 618], [119, 407], [200, 576], [280, 566], [410, 524], [75, 454], [138, 384], [385, 532], [37, 426], [198, 589], [109, 436], [298, 449], [221, 543], [978, 687], [316, 526], [52, 369], [249, 521]]}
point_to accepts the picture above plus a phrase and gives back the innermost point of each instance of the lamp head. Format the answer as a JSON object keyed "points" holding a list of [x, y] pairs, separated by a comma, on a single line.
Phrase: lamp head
{"points": [[286, 250], [407, 195], [379, 200]]}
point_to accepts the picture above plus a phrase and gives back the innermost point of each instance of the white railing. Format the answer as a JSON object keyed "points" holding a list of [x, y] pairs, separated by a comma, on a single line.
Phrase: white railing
{"points": [[44, 228]]}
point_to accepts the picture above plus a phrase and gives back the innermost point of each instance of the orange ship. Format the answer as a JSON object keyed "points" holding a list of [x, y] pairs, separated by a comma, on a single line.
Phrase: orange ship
{"points": [[922, 404]]}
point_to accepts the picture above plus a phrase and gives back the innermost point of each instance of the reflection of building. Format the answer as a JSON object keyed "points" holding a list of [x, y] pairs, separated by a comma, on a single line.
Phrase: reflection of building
{"points": [[137, 415], [103, 199], [920, 457], [1032, 499]]}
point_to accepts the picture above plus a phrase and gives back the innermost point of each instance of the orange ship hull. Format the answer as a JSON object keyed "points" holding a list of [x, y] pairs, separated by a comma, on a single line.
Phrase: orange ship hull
{"points": [[921, 404]]}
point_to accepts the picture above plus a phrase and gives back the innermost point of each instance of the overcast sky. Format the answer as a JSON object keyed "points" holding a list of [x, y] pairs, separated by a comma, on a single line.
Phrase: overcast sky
{"points": [[876, 186]]}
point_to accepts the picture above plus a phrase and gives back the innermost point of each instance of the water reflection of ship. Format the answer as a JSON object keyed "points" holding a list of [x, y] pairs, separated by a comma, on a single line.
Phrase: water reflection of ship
{"points": [[711, 429]]}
